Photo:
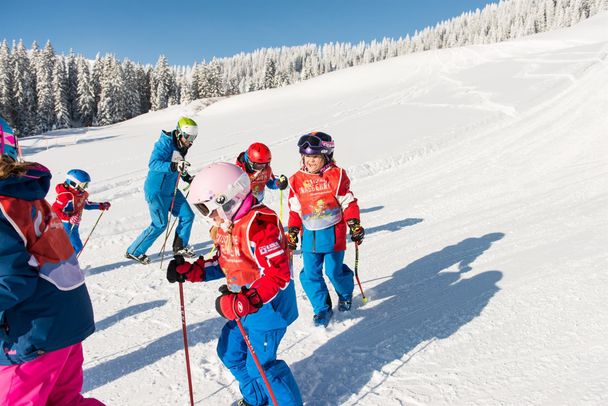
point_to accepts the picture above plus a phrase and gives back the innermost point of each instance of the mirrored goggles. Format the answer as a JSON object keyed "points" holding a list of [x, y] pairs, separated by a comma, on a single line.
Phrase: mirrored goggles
{"points": [[187, 137], [310, 140]]}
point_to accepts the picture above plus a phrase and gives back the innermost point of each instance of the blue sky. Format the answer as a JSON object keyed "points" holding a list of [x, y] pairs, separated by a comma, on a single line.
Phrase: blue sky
{"points": [[186, 31]]}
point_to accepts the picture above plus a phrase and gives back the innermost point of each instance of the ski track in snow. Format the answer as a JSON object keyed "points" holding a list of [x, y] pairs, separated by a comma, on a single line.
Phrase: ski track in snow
{"points": [[481, 174]]}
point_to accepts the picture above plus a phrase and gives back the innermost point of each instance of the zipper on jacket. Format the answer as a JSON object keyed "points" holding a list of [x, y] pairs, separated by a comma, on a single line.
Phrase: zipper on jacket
{"points": [[314, 240]]}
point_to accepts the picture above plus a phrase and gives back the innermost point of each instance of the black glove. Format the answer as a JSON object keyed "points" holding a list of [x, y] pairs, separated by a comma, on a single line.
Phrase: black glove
{"points": [[236, 305], [282, 182], [357, 232], [186, 177], [292, 238], [172, 273], [180, 270]]}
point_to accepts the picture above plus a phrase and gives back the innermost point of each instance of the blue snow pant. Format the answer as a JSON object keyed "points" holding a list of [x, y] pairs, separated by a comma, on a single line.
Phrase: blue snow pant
{"points": [[233, 352], [72, 232], [311, 277], [159, 206]]}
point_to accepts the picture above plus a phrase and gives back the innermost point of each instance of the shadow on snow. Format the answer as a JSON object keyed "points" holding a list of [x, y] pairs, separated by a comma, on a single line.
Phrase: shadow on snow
{"points": [[420, 304], [371, 209], [393, 226], [115, 368], [155, 258], [128, 312]]}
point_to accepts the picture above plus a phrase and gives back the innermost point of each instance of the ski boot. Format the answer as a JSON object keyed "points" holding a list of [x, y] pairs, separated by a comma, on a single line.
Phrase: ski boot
{"points": [[344, 305], [322, 319], [142, 258], [186, 252]]}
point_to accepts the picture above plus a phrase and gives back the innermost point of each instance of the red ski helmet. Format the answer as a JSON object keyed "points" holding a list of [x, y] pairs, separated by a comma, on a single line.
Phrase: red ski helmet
{"points": [[259, 153]]}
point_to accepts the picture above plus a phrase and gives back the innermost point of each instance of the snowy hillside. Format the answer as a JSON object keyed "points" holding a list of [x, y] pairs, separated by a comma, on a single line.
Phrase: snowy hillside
{"points": [[483, 179]]}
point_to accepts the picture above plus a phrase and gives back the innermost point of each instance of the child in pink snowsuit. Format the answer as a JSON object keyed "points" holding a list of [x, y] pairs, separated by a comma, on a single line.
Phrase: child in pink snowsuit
{"points": [[45, 309]]}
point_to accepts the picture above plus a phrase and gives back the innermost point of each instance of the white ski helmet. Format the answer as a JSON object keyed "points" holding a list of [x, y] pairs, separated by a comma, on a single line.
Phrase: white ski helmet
{"points": [[220, 186]]}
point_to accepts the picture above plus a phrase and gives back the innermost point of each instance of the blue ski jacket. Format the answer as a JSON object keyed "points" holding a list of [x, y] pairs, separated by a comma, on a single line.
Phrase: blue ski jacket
{"points": [[44, 302], [161, 179]]}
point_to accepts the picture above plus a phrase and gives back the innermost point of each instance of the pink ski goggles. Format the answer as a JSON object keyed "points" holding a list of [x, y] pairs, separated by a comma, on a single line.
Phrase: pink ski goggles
{"points": [[8, 144]]}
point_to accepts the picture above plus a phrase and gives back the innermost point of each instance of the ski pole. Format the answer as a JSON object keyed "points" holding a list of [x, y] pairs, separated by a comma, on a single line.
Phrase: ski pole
{"points": [[185, 335], [91, 233], [162, 251], [257, 362], [363, 298]]}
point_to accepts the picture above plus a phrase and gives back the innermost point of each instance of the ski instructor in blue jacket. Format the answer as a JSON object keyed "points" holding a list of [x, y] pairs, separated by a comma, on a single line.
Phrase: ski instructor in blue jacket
{"points": [[167, 164]]}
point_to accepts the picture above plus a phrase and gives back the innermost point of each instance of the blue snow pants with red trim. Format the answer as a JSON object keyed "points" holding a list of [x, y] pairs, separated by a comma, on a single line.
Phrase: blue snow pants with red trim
{"points": [[235, 355]]}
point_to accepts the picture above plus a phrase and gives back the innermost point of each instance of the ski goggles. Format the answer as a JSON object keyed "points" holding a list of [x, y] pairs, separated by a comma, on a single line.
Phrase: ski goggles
{"points": [[258, 166], [226, 204], [188, 137], [224, 209], [78, 185], [315, 141]]}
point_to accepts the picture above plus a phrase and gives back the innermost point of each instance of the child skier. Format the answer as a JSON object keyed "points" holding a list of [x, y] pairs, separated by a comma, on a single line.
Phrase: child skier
{"points": [[72, 199], [259, 289], [321, 206], [45, 309], [256, 163], [166, 166]]}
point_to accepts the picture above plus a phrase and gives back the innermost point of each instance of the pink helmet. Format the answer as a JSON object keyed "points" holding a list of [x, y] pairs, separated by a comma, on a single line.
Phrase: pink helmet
{"points": [[220, 186]]}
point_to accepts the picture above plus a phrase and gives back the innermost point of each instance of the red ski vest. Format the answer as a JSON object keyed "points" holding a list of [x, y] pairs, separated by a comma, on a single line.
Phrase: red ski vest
{"points": [[258, 179], [237, 259], [45, 239], [317, 194], [66, 195]]}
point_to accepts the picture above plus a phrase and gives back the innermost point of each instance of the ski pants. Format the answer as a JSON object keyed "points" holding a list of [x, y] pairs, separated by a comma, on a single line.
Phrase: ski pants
{"points": [[159, 206], [53, 379], [233, 352], [72, 231], [313, 283]]}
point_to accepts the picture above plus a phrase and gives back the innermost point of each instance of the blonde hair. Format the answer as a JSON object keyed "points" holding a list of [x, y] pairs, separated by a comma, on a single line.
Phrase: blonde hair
{"points": [[9, 168], [229, 242]]}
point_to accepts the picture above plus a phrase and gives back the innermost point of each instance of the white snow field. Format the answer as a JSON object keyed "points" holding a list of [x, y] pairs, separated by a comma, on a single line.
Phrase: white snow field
{"points": [[482, 174]]}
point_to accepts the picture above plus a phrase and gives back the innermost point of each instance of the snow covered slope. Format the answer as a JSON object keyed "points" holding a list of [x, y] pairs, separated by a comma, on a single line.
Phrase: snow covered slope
{"points": [[483, 178]]}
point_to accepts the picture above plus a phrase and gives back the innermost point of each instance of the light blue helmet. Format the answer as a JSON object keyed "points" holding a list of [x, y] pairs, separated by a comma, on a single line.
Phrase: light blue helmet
{"points": [[8, 142], [77, 178]]}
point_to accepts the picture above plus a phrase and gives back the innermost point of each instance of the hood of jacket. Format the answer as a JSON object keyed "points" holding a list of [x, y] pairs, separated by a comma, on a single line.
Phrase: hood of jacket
{"points": [[32, 185]]}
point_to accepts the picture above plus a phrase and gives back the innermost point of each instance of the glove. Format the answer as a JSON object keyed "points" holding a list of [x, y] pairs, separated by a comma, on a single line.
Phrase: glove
{"points": [[180, 166], [173, 275], [104, 206], [179, 270], [282, 182], [292, 238], [75, 219], [236, 305], [186, 177], [356, 231]]}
